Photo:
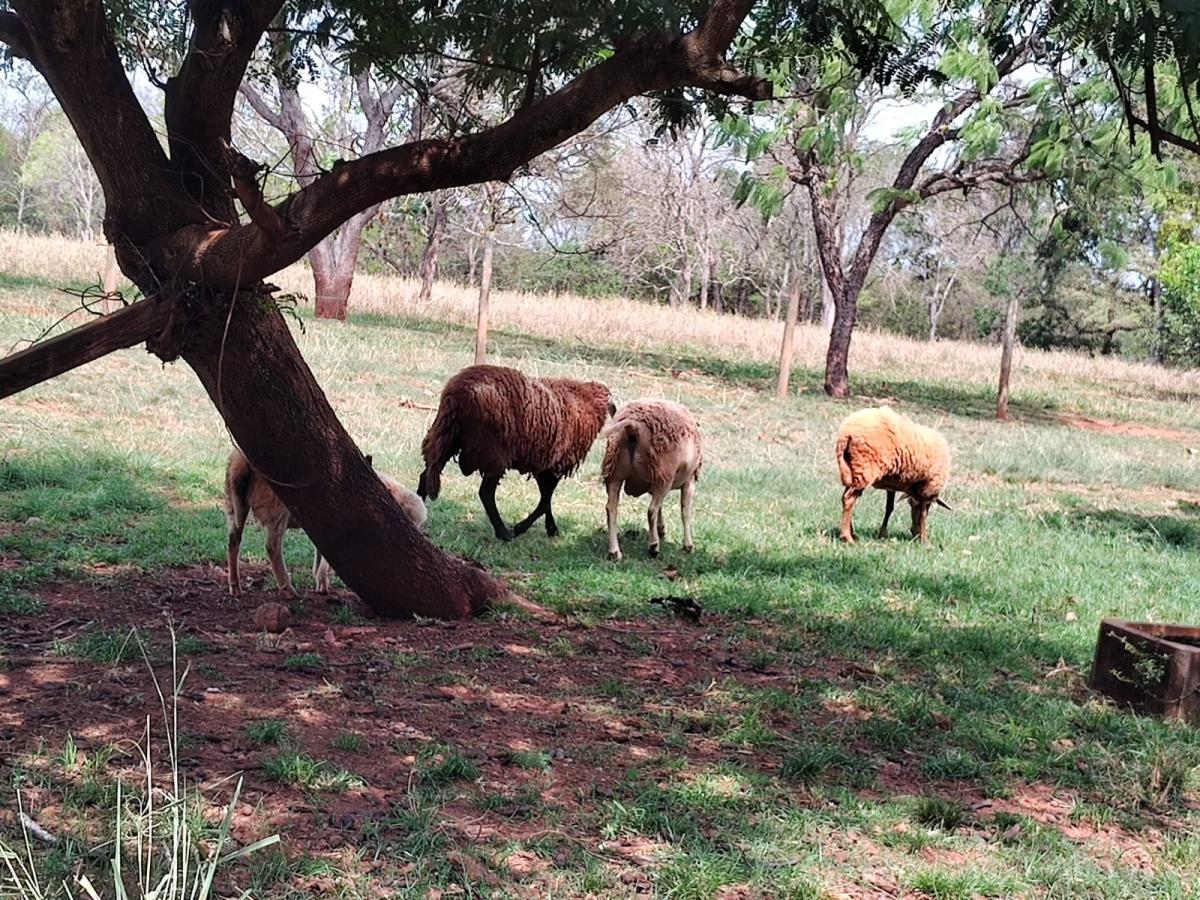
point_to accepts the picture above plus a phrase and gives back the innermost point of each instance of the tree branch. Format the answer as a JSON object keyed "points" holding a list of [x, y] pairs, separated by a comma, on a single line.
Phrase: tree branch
{"points": [[130, 325], [199, 99], [262, 109], [655, 62], [13, 33], [244, 172]]}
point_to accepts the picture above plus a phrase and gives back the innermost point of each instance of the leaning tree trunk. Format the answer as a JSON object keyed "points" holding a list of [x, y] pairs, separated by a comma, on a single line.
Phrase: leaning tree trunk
{"points": [[786, 349], [278, 415], [1006, 354], [485, 292], [1158, 345], [429, 256]]}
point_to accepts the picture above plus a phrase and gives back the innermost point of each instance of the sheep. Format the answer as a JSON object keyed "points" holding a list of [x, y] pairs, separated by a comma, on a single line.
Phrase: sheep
{"points": [[880, 448], [653, 447], [495, 419], [248, 492]]}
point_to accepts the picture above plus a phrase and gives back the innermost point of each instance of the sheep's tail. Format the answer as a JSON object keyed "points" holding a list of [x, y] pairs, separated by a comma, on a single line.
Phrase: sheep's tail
{"points": [[441, 443], [844, 458], [627, 435], [239, 478]]}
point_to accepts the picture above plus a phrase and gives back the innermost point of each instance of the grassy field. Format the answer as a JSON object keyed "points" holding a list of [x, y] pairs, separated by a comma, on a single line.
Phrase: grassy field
{"points": [[875, 720]]}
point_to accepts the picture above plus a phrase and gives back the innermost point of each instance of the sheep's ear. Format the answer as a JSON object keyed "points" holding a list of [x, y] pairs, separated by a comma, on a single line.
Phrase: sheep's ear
{"points": [[370, 462], [943, 504], [612, 408]]}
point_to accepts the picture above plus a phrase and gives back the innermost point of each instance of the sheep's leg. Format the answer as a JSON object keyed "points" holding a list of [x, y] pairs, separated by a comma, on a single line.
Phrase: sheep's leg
{"points": [[887, 513], [275, 532], [653, 518], [611, 509], [321, 570], [546, 485], [686, 495], [849, 498], [661, 525], [237, 524], [487, 496]]}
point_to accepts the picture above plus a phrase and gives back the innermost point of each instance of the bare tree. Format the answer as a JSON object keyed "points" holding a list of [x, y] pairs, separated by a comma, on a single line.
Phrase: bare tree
{"points": [[333, 259]]}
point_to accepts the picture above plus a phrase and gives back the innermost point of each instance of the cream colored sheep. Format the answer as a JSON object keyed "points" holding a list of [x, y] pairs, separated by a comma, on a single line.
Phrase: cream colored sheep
{"points": [[883, 449], [653, 447], [248, 492]]}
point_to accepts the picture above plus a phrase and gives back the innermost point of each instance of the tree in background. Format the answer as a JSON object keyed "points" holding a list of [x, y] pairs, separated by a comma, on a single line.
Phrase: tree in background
{"points": [[313, 150], [992, 127]]}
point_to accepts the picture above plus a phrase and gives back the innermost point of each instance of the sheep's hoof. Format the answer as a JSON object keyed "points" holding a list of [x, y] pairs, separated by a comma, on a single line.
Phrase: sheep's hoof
{"points": [[883, 534], [505, 534], [653, 552], [689, 548], [551, 529], [614, 556], [847, 539]]}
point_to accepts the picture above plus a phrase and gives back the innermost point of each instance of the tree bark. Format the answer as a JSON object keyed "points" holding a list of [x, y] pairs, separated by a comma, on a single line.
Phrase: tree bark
{"points": [[282, 421], [429, 256], [786, 348], [485, 292], [1006, 354]]}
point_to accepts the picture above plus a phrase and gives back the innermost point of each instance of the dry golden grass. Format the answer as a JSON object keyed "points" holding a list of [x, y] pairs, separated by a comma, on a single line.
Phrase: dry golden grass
{"points": [[637, 325]]}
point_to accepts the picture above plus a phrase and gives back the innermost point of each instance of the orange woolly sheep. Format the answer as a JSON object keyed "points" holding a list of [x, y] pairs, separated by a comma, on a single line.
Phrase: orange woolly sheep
{"points": [[880, 448]]}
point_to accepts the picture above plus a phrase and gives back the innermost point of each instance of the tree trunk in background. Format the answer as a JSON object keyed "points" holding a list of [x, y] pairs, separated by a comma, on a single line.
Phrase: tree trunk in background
{"points": [[485, 290], [787, 348], [111, 272], [429, 256], [1006, 353], [828, 307], [1157, 350], [784, 285]]}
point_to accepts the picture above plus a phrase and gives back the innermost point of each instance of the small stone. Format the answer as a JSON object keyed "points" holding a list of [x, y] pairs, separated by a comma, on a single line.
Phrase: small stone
{"points": [[272, 617], [34, 520]]}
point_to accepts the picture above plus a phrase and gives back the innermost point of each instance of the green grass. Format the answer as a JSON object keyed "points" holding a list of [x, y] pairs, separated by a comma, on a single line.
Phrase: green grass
{"points": [[289, 767], [954, 680], [266, 732]]}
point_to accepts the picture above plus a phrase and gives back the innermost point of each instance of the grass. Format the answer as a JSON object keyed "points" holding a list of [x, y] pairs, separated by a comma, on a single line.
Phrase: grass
{"points": [[915, 677]]}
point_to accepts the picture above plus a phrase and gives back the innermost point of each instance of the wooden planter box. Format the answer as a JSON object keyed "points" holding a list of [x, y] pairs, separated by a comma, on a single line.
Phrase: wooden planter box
{"points": [[1155, 669]]}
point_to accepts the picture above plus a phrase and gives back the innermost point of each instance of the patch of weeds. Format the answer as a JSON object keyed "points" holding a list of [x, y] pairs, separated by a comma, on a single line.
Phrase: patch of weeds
{"points": [[953, 765], [19, 603], [938, 812], [346, 615], [528, 759], [522, 805], [306, 772], [349, 741], [444, 764], [304, 661], [106, 647], [807, 763], [561, 647], [888, 734], [940, 884], [266, 870], [266, 732], [402, 659], [750, 731], [190, 645], [610, 687]]}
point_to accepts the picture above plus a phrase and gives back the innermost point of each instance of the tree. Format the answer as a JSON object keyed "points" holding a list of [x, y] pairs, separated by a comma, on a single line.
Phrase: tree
{"points": [[202, 264], [334, 258], [991, 128]]}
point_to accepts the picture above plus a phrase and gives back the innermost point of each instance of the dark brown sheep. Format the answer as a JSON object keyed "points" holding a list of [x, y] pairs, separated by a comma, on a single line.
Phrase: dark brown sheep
{"points": [[495, 419]]}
